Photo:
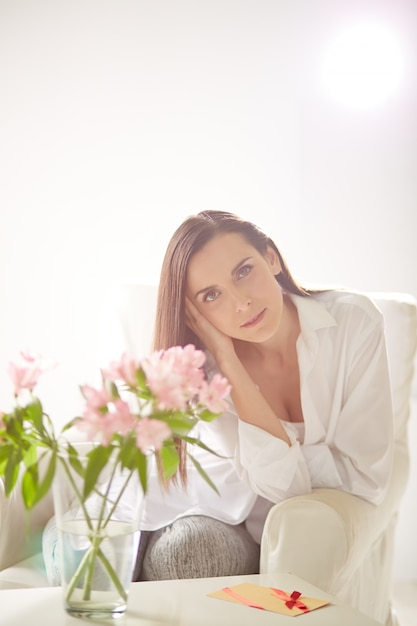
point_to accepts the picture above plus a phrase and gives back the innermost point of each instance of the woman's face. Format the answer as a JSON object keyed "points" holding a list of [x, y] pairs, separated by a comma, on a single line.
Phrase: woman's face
{"points": [[234, 287]]}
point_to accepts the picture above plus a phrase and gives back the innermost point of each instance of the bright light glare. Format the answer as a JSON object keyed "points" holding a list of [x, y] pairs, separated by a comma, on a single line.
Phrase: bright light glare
{"points": [[363, 66]]}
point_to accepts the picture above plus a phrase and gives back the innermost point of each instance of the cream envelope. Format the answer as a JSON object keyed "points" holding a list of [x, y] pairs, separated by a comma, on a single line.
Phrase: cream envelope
{"points": [[269, 599]]}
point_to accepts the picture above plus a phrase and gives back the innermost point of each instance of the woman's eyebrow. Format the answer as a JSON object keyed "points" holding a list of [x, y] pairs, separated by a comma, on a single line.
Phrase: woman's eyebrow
{"points": [[205, 289], [240, 264]]}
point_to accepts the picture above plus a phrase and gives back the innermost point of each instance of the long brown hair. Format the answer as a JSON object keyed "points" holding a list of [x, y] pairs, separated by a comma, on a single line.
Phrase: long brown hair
{"points": [[189, 238], [170, 327]]}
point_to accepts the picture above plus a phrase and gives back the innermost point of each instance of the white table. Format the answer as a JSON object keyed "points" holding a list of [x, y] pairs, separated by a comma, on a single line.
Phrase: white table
{"points": [[179, 602]]}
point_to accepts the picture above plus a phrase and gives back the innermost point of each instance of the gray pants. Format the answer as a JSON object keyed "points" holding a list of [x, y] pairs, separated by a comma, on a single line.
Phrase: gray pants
{"points": [[191, 547]]}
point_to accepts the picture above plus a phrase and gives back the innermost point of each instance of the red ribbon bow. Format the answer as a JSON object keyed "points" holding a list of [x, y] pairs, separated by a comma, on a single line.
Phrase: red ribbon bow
{"points": [[292, 600]]}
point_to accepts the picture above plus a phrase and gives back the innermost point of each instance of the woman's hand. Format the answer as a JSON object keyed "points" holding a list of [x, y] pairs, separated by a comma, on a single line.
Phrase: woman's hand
{"points": [[216, 342], [250, 404]]}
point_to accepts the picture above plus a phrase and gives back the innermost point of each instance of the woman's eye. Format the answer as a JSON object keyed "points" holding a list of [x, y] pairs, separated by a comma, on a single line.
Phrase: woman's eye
{"points": [[244, 271], [210, 296]]}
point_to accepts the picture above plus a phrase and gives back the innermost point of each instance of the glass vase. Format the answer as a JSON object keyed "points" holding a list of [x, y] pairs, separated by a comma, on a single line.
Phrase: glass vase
{"points": [[98, 536]]}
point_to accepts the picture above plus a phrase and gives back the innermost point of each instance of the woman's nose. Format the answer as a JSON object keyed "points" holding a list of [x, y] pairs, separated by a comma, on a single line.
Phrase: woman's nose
{"points": [[241, 301]]}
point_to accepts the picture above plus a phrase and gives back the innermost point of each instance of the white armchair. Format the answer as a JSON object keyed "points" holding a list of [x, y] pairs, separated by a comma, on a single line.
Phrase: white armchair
{"points": [[348, 549], [338, 542]]}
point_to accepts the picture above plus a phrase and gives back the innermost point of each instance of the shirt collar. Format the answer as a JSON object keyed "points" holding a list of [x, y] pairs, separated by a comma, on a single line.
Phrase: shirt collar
{"points": [[312, 314]]}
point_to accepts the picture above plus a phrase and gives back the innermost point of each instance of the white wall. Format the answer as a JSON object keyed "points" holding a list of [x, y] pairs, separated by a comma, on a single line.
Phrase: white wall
{"points": [[118, 119]]}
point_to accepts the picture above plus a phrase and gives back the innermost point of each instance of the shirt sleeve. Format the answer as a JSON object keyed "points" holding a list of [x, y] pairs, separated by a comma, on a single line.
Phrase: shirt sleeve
{"points": [[272, 468]]}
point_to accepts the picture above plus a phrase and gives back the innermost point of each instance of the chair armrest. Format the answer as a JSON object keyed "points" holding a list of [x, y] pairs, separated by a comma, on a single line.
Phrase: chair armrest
{"points": [[324, 536], [21, 531]]}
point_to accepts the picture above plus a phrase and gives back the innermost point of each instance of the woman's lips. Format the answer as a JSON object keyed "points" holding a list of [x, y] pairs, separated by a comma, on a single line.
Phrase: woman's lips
{"points": [[254, 320]]}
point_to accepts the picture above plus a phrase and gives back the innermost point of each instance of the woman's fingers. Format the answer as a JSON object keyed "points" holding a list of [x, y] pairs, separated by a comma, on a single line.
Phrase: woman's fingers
{"points": [[213, 339]]}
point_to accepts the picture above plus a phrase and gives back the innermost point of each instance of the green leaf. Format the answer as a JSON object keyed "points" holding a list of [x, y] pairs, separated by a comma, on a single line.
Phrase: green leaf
{"points": [[128, 452], [169, 460], [70, 424], [203, 473], [46, 483], [179, 425], [208, 416], [30, 486], [132, 458], [5, 452], [142, 468], [197, 442], [14, 424], [97, 459], [141, 379], [74, 460], [30, 456], [34, 414], [114, 390], [11, 473]]}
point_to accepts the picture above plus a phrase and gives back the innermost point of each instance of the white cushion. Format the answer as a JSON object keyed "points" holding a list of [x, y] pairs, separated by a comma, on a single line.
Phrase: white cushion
{"points": [[27, 573]]}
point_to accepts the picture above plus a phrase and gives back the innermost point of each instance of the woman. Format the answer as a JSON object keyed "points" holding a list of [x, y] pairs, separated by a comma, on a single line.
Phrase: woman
{"points": [[310, 403]]}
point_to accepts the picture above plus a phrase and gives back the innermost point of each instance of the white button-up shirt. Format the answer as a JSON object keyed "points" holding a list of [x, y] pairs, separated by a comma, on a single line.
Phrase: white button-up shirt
{"points": [[345, 442]]}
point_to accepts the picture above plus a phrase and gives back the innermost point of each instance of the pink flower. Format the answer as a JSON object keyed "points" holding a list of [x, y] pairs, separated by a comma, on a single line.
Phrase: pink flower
{"points": [[123, 419], [213, 394], [151, 434], [103, 425], [174, 376], [27, 369], [95, 425], [125, 369], [96, 398]]}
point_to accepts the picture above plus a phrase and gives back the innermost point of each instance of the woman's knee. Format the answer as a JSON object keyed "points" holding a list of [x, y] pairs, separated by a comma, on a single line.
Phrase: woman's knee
{"points": [[198, 547]]}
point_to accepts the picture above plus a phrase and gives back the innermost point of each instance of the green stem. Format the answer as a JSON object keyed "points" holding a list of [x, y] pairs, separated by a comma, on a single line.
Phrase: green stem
{"points": [[114, 577], [96, 551], [88, 559], [77, 575], [105, 499], [92, 552], [116, 502], [77, 493], [87, 564]]}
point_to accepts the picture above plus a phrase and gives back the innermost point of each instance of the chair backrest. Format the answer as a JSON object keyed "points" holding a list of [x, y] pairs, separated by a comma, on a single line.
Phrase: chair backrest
{"points": [[127, 320], [400, 316], [129, 311]]}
